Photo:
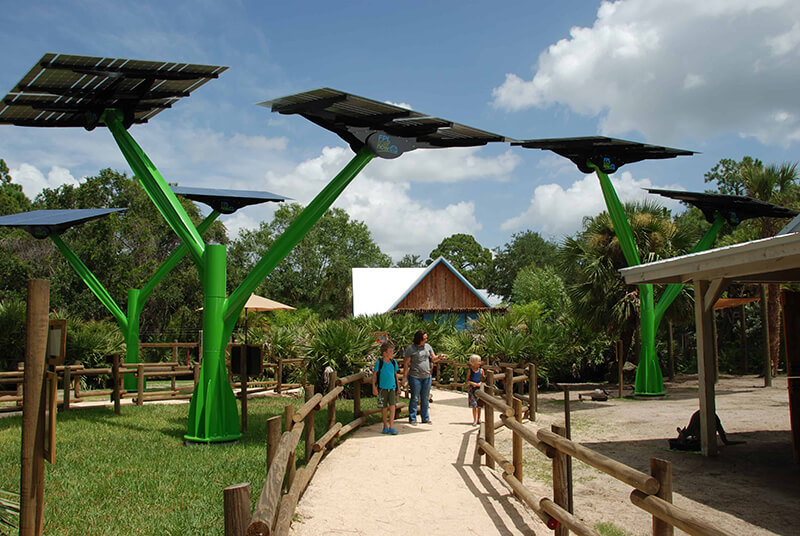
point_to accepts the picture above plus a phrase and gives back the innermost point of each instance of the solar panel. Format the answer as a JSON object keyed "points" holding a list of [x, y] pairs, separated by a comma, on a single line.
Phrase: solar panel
{"points": [[387, 129], [227, 201], [73, 91], [734, 208], [608, 154], [43, 223]]}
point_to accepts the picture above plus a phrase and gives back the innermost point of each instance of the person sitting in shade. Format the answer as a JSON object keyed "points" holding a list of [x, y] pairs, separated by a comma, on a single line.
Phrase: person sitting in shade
{"points": [[384, 385]]}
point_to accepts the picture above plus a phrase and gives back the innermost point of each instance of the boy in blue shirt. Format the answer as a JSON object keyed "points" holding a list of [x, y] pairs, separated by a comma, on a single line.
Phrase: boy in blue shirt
{"points": [[384, 386]]}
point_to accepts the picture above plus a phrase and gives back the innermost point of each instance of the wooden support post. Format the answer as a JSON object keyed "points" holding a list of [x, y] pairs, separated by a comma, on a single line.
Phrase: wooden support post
{"points": [[78, 383], [438, 373], [243, 386], [116, 378], [620, 366], [706, 369], [533, 389], [508, 386], [140, 384], [561, 483], [516, 442], [67, 386], [488, 420], [357, 398], [662, 471], [291, 468], [32, 471], [309, 431], [273, 436], [332, 403], [173, 379], [237, 509], [174, 353]]}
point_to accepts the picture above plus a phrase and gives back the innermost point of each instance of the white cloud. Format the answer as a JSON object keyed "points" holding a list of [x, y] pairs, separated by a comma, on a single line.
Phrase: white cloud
{"points": [[447, 166], [675, 69], [33, 181], [558, 212], [399, 223]]}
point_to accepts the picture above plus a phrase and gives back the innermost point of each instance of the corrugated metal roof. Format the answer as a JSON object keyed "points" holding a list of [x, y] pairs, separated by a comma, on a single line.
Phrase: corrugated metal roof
{"points": [[376, 289]]}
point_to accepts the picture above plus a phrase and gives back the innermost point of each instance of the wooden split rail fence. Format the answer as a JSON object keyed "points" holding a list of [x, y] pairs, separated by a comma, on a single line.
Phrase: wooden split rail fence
{"points": [[652, 493], [69, 377], [284, 484]]}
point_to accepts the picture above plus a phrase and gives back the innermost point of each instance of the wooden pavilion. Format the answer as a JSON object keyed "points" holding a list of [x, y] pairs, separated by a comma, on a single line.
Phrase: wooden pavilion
{"points": [[770, 260]]}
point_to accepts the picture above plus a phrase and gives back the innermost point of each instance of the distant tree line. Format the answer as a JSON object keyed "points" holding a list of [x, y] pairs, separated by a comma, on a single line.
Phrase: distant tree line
{"points": [[569, 296]]}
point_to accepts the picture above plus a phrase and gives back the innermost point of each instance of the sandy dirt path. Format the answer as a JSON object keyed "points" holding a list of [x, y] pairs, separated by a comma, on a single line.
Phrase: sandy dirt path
{"points": [[421, 481], [424, 480]]}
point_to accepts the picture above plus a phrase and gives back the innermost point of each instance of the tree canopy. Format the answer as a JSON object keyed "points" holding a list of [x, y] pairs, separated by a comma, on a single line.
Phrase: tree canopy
{"points": [[467, 256], [525, 249]]}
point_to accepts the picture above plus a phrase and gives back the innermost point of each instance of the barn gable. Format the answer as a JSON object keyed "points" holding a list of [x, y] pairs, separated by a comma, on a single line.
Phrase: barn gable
{"points": [[440, 288]]}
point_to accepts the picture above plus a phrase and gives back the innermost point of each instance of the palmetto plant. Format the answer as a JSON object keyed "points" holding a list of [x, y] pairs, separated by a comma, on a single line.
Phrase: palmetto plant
{"points": [[509, 346], [90, 342], [9, 512], [12, 332], [339, 344], [460, 345]]}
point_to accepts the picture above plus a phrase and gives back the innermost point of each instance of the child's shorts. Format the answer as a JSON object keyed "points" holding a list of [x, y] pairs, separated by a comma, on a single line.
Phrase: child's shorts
{"points": [[387, 398], [472, 398]]}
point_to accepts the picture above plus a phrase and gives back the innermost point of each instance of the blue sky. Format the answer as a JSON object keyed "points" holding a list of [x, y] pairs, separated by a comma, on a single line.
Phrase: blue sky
{"points": [[721, 77]]}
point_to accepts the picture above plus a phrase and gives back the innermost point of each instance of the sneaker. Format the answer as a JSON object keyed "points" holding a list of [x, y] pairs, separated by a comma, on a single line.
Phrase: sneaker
{"points": [[412, 423], [385, 431], [474, 423], [479, 421], [393, 431], [427, 422]]}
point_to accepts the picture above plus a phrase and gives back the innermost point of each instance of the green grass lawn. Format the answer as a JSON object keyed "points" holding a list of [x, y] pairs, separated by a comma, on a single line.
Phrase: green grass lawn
{"points": [[132, 474]]}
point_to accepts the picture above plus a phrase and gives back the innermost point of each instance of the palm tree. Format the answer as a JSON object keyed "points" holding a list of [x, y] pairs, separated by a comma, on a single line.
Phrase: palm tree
{"points": [[773, 184], [590, 262]]}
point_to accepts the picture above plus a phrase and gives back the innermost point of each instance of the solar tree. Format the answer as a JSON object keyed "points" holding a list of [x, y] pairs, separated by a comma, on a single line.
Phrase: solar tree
{"points": [[52, 223], [604, 156], [89, 92]]}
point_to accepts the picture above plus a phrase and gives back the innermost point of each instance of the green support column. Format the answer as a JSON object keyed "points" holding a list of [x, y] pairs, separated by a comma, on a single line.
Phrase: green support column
{"points": [[213, 416], [132, 337], [649, 380]]}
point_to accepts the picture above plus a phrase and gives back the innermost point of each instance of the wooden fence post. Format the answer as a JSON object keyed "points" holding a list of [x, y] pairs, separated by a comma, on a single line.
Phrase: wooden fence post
{"points": [[516, 441], [278, 374], [237, 509], [32, 471], [532, 391], [243, 387], [561, 483], [140, 384], [488, 421], [309, 431], [357, 399], [20, 391], [273, 436], [332, 403], [508, 386], [620, 365], [196, 373], [662, 471], [288, 418], [67, 386], [117, 382]]}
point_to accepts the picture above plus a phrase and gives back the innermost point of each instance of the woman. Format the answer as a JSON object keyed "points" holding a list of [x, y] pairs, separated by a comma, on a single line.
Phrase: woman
{"points": [[418, 359]]}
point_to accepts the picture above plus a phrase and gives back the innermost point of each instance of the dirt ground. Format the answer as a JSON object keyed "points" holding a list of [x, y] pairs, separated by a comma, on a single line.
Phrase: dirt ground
{"points": [[425, 480]]}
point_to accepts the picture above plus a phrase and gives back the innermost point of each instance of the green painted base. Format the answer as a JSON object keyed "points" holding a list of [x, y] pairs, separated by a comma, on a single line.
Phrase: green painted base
{"points": [[188, 440], [649, 396]]}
